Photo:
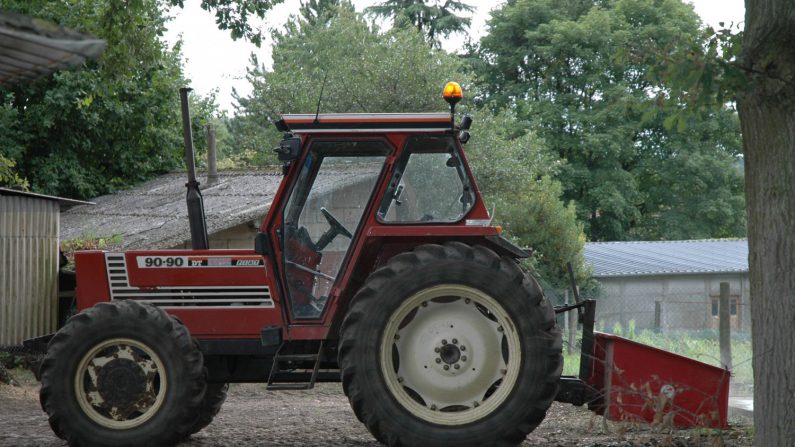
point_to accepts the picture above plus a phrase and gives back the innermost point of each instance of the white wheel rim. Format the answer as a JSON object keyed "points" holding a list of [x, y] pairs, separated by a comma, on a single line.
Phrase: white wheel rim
{"points": [[120, 383], [450, 354]]}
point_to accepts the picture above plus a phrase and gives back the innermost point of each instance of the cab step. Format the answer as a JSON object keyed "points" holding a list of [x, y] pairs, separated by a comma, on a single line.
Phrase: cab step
{"points": [[282, 358]]}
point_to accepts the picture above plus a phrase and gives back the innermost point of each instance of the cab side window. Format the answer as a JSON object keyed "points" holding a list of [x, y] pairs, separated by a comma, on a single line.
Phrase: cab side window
{"points": [[429, 184]]}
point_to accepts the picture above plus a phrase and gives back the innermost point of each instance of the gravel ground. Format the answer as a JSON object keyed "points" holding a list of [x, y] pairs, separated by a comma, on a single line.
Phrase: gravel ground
{"points": [[252, 416]]}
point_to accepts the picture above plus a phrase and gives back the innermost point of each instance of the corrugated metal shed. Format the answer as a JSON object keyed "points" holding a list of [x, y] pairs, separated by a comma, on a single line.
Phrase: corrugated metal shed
{"points": [[28, 264], [645, 258]]}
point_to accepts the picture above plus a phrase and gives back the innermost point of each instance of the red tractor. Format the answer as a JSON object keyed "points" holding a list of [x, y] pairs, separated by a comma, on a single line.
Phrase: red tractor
{"points": [[404, 292]]}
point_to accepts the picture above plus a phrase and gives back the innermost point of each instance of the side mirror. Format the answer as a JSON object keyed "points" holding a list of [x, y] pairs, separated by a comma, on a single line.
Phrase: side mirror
{"points": [[288, 149], [466, 123]]}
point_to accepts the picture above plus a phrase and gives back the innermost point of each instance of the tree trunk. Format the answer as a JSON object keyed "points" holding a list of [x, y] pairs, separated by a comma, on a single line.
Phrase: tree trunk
{"points": [[767, 114]]}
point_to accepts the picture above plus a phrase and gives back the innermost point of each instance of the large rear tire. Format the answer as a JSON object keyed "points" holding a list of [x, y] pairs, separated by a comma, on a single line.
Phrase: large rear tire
{"points": [[450, 346], [122, 374]]}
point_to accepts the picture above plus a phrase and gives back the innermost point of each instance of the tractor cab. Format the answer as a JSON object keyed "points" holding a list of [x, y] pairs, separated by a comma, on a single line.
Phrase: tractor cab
{"points": [[359, 173]]}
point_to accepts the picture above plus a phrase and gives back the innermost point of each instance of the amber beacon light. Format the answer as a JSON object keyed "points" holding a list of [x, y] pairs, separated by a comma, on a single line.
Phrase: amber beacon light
{"points": [[452, 93]]}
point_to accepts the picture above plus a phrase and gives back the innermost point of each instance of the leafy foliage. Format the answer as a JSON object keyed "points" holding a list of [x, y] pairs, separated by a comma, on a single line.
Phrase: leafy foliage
{"points": [[363, 69], [431, 18], [579, 71], [513, 168], [234, 15], [115, 122]]}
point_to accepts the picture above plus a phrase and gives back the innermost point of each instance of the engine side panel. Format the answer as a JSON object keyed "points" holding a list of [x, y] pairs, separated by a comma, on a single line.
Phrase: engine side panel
{"points": [[219, 294]]}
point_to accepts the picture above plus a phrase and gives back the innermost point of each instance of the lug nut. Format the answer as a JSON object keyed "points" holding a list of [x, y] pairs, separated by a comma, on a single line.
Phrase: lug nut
{"points": [[424, 304], [437, 349], [455, 341], [397, 336], [438, 360], [462, 347], [457, 366], [433, 407], [446, 367], [476, 404], [444, 342], [503, 371], [463, 358], [400, 380], [500, 329], [467, 300]]}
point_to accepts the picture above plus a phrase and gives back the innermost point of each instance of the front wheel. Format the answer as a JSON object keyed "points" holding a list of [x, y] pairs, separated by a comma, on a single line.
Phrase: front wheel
{"points": [[461, 341], [122, 374]]}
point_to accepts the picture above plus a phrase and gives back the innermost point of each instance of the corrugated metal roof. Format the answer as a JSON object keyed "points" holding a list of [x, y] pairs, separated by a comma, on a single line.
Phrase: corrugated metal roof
{"points": [[61, 200], [644, 258], [30, 47], [154, 214]]}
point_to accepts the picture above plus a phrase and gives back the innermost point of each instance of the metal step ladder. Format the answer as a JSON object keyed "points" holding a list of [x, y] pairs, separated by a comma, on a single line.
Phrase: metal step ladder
{"points": [[281, 358]]}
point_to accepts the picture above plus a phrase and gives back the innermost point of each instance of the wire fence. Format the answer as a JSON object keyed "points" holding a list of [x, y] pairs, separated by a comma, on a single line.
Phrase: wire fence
{"points": [[681, 316]]}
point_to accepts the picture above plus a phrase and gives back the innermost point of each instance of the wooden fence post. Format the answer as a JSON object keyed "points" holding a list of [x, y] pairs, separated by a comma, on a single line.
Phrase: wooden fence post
{"points": [[724, 326], [572, 317]]}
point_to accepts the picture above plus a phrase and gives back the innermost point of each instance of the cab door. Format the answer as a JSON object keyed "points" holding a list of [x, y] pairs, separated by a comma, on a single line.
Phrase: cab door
{"points": [[323, 212]]}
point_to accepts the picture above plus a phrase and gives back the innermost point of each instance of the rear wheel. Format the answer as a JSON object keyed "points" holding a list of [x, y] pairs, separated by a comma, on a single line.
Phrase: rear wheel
{"points": [[462, 342], [122, 373]]}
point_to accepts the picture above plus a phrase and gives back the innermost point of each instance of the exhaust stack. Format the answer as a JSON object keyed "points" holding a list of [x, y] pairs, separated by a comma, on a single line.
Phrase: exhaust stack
{"points": [[196, 217]]}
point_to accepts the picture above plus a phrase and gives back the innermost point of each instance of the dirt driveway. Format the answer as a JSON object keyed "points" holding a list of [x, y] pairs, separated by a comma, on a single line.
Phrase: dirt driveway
{"points": [[252, 416]]}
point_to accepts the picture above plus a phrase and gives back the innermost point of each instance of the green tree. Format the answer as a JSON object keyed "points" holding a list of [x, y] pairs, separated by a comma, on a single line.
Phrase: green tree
{"points": [[431, 18], [756, 67], [314, 11], [234, 15], [113, 123], [514, 170], [579, 71], [365, 70], [767, 114]]}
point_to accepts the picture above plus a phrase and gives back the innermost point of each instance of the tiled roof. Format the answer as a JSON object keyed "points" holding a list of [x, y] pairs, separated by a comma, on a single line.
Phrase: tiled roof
{"points": [[645, 258]]}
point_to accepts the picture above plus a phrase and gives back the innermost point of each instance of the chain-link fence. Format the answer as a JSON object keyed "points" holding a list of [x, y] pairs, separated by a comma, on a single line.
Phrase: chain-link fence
{"points": [[678, 314]]}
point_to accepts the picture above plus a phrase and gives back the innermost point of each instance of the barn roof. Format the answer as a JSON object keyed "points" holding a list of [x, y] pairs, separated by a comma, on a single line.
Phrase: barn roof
{"points": [[645, 258], [61, 200], [154, 214]]}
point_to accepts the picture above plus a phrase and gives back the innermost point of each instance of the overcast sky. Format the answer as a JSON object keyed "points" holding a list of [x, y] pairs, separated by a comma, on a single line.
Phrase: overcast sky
{"points": [[215, 61]]}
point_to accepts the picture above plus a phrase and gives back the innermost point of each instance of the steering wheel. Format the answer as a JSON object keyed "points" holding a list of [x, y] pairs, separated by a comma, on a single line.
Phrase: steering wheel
{"points": [[335, 224]]}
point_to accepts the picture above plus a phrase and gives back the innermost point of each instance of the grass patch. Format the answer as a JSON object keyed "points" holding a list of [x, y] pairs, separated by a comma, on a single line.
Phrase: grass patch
{"points": [[699, 345]]}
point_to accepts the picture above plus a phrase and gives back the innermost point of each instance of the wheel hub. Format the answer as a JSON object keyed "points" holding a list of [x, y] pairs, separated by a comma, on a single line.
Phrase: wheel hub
{"points": [[121, 382], [450, 354]]}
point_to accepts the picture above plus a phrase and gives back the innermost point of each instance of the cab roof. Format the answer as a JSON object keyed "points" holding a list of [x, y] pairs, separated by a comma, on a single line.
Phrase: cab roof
{"points": [[365, 122]]}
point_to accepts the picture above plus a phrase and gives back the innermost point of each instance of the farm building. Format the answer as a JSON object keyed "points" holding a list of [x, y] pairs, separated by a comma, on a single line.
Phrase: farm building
{"points": [[29, 264], [670, 284]]}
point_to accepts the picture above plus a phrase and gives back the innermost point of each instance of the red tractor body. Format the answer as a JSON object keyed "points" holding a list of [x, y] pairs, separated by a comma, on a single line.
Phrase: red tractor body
{"points": [[234, 294]]}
